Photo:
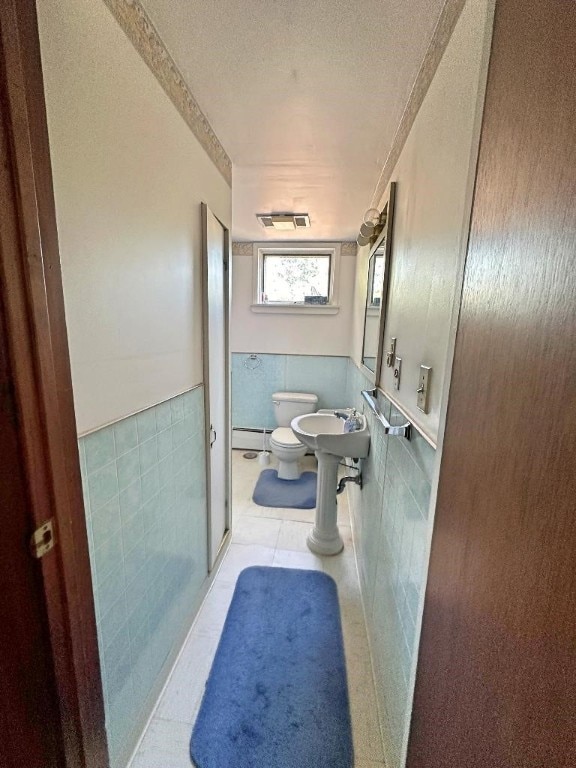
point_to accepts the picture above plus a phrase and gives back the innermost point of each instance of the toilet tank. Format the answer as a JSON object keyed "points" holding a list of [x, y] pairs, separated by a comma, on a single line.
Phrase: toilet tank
{"points": [[288, 405]]}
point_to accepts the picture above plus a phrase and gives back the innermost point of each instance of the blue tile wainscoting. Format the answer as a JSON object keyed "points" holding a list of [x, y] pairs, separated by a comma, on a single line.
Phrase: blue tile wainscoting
{"points": [[145, 499], [391, 529], [255, 381]]}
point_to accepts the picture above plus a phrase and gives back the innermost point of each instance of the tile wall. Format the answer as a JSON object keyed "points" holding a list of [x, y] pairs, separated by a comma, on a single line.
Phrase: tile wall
{"points": [[145, 498], [254, 382], [391, 532]]}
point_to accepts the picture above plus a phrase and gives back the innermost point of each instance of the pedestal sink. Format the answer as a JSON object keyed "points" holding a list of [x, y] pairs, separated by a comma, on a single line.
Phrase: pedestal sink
{"points": [[325, 434]]}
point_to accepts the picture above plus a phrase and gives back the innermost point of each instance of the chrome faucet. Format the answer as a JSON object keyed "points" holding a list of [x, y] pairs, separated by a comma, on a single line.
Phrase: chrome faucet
{"points": [[353, 422]]}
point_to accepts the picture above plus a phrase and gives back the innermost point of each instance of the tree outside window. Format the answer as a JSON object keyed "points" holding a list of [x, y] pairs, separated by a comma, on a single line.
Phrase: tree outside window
{"points": [[295, 279]]}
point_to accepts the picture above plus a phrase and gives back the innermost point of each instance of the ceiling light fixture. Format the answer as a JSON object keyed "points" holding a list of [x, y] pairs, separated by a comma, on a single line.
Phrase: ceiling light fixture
{"points": [[284, 221]]}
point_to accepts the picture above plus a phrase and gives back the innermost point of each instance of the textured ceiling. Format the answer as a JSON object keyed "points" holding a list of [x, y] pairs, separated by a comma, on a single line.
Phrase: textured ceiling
{"points": [[305, 97]]}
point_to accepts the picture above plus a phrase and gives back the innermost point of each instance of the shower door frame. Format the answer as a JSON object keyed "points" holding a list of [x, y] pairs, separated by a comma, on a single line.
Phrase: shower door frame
{"points": [[215, 556]]}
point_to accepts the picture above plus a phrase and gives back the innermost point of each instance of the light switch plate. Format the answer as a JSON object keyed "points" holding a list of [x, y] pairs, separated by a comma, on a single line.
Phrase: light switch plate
{"points": [[423, 388], [397, 372], [391, 352]]}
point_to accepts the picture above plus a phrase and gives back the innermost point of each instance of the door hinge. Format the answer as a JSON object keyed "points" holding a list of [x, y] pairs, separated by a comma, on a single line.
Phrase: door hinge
{"points": [[42, 540]]}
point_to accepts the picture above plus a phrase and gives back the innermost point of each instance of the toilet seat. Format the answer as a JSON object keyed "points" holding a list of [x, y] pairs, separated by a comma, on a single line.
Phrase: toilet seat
{"points": [[285, 438]]}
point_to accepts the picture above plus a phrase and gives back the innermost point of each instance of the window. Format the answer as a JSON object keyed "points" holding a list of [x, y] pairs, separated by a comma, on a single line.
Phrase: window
{"points": [[291, 278], [295, 278]]}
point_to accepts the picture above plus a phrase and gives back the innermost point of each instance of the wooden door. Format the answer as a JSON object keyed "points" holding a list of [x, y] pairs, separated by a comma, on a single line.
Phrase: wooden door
{"points": [[216, 377], [496, 682], [51, 707], [29, 712]]}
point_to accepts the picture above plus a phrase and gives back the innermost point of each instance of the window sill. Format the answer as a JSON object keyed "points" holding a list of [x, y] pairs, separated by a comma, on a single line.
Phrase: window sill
{"points": [[296, 309]]}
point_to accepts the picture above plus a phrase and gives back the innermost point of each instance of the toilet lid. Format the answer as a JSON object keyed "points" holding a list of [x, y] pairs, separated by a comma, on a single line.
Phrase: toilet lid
{"points": [[285, 436]]}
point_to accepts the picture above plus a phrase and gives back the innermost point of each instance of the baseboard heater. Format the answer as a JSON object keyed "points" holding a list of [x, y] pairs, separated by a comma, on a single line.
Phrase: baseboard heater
{"points": [[250, 438]]}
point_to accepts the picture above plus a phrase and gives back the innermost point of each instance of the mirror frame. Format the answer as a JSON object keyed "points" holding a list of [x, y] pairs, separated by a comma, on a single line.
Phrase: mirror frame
{"points": [[385, 235]]}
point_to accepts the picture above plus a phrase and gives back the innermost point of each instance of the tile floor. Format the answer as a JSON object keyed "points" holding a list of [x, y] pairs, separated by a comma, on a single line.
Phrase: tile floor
{"points": [[264, 536]]}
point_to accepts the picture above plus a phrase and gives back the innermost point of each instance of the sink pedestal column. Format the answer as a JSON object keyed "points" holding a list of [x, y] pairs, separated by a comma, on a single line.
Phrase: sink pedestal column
{"points": [[325, 538]]}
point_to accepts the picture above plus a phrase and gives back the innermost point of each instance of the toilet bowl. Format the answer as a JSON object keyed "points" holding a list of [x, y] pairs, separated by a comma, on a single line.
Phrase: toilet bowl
{"points": [[283, 442], [287, 449]]}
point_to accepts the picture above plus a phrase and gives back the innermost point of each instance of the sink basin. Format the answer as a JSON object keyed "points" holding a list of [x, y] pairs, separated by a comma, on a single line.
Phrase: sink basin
{"points": [[325, 432]]}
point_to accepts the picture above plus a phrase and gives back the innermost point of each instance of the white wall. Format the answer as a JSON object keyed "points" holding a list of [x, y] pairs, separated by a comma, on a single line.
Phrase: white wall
{"points": [[291, 334], [129, 177], [434, 174]]}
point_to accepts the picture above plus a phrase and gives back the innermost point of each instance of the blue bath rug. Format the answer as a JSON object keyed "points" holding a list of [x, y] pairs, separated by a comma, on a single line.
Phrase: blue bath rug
{"points": [[270, 491], [277, 695]]}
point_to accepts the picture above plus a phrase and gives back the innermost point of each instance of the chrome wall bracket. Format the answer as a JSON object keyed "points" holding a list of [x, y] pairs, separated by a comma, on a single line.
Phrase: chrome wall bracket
{"points": [[370, 395]]}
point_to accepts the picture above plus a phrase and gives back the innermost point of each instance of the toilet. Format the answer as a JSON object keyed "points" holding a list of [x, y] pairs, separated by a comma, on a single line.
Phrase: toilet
{"points": [[283, 442]]}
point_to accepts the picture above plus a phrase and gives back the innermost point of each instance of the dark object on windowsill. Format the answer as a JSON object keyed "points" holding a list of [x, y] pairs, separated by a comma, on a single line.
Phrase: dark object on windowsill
{"points": [[315, 299]]}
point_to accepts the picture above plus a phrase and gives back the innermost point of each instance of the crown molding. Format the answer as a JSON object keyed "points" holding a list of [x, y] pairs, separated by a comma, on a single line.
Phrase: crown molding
{"points": [[242, 249], [347, 248], [442, 33], [141, 32]]}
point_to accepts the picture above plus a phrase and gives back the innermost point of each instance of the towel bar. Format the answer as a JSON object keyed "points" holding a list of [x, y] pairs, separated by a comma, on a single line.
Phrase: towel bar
{"points": [[404, 431]]}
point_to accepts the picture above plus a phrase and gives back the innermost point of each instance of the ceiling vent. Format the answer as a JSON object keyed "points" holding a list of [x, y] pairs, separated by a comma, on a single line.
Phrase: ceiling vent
{"points": [[283, 221]]}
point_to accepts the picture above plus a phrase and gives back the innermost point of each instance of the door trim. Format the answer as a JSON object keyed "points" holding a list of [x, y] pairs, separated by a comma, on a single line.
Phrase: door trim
{"points": [[206, 362], [36, 332]]}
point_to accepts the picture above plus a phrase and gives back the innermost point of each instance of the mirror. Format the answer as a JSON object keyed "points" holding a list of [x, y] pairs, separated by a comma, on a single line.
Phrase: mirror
{"points": [[377, 292], [373, 307]]}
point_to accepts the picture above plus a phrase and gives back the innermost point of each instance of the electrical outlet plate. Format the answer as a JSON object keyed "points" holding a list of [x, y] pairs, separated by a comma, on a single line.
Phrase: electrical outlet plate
{"points": [[397, 372], [423, 388]]}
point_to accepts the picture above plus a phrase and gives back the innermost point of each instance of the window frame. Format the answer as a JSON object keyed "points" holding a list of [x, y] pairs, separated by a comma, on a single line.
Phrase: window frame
{"points": [[261, 250]]}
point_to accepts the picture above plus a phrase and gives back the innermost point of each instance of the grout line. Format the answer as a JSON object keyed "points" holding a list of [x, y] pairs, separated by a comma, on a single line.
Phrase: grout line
{"points": [[277, 539]]}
